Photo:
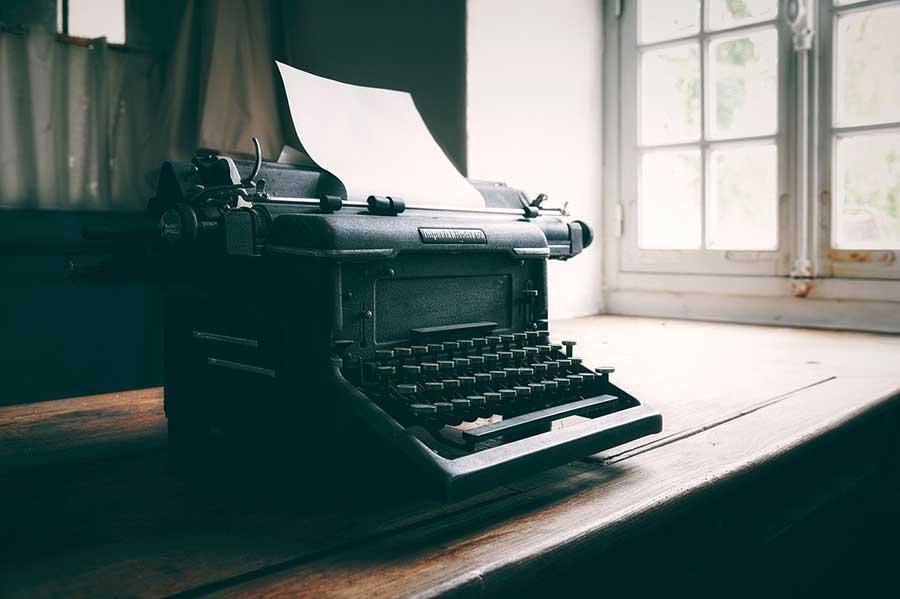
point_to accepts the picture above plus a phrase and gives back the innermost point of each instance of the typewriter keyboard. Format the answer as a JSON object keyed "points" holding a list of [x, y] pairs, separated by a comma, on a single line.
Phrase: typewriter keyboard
{"points": [[451, 382]]}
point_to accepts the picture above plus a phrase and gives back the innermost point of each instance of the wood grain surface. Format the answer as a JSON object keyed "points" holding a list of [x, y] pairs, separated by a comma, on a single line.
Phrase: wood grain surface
{"points": [[91, 506]]}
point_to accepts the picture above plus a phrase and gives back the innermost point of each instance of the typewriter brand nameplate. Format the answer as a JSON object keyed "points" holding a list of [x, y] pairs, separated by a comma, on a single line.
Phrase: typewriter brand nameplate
{"points": [[442, 235]]}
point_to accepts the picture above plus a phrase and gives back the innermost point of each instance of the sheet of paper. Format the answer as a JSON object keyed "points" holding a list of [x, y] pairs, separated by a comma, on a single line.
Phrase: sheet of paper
{"points": [[374, 141]]}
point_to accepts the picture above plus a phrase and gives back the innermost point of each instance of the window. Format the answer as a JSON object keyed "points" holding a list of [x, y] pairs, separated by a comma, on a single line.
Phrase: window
{"points": [[752, 149], [92, 19], [861, 125], [703, 136]]}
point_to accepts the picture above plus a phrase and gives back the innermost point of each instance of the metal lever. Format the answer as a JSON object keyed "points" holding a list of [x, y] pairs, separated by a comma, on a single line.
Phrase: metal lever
{"points": [[256, 164]]}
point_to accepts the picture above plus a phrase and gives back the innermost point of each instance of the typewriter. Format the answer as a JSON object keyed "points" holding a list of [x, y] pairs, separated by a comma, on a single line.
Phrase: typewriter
{"points": [[292, 313]]}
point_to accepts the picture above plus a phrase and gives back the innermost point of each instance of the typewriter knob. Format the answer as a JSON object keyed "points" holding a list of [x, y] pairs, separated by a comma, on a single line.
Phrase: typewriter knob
{"points": [[587, 233], [178, 223]]}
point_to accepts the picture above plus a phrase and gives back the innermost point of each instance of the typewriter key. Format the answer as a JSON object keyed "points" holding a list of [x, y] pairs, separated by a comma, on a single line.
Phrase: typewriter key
{"points": [[517, 354], [402, 352], [479, 341], [522, 391], [461, 363], [430, 367], [569, 345], [466, 380], [434, 387], [384, 354], [419, 350], [536, 388], [410, 371], [576, 361], [507, 394], [511, 373], [533, 335], [520, 337], [406, 389], [443, 406], [555, 347], [422, 409], [451, 346], [604, 369], [564, 363], [493, 340], [476, 361], [435, 348], [498, 375], [575, 378], [507, 339], [587, 376], [531, 352], [451, 384], [563, 383], [504, 356], [539, 367], [491, 358], [445, 364], [465, 344], [550, 385], [526, 372], [552, 366], [460, 404], [491, 397]]}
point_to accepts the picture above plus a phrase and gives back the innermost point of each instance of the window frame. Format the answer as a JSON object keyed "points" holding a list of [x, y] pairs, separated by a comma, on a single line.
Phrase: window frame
{"points": [[834, 261], [817, 296], [702, 260]]}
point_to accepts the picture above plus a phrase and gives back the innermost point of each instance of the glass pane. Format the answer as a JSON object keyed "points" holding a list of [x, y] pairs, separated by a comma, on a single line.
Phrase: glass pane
{"points": [[743, 206], [97, 18], [660, 20], [670, 94], [867, 189], [867, 66], [734, 13], [669, 215], [744, 85]]}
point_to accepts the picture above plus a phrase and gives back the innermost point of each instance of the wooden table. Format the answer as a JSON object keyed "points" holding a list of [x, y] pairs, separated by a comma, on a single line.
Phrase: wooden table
{"points": [[764, 428]]}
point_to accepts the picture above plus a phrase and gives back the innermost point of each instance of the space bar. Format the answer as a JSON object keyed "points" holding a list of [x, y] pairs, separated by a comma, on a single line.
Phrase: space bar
{"points": [[509, 425]]}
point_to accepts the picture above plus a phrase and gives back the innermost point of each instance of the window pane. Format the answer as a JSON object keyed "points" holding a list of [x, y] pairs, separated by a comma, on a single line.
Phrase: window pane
{"points": [[867, 67], [669, 215], [744, 85], [670, 94], [867, 189], [97, 18], [660, 20], [734, 13], [743, 208]]}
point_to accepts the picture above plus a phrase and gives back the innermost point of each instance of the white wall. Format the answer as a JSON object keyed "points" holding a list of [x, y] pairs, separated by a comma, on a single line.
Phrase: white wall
{"points": [[533, 118]]}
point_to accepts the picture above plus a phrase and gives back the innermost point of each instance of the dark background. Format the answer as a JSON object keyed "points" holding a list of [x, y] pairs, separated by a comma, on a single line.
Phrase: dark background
{"points": [[64, 338]]}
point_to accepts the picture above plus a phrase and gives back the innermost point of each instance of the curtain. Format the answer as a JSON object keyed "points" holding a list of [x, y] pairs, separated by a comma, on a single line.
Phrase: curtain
{"points": [[74, 123], [86, 127]]}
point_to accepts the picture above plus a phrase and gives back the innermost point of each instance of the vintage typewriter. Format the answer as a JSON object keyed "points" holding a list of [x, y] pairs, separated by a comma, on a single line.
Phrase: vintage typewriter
{"points": [[294, 314]]}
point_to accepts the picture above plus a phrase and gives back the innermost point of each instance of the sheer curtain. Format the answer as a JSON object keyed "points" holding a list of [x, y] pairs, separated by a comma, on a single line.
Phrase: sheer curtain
{"points": [[72, 120]]}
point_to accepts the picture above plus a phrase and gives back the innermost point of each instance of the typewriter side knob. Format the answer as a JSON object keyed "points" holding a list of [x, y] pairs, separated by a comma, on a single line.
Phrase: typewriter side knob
{"points": [[178, 224], [587, 233]]}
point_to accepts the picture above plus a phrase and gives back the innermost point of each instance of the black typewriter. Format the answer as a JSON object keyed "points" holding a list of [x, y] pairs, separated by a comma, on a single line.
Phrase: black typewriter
{"points": [[293, 314]]}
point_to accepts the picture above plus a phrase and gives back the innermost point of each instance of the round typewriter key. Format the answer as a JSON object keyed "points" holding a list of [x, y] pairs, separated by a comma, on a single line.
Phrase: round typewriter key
{"points": [[544, 349], [466, 380], [465, 344], [507, 394], [435, 348], [536, 388], [460, 404], [491, 358], [475, 400], [569, 345], [550, 385], [491, 397], [445, 364], [461, 363], [419, 350], [402, 352], [587, 376], [451, 345], [443, 406], [504, 356], [519, 337], [385, 371], [476, 361], [422, 409], [533, 335], [575, 378], [526, 372], [406, 389], [563, 383], [531, 352], [564, 363], [429, 367], [539, 367], [511, 372], [434, 386], [522, 390], [479, 341], [576, 361], [605, 369], [498, 375], [451, 383], [483, 377], [410, 370], [384, 354], [517, 354], [552, 366], [555, 347], [493, 339]]}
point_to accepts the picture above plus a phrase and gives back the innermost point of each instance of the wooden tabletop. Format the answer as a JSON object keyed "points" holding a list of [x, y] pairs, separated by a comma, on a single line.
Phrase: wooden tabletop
{"points": [[89, 505]]}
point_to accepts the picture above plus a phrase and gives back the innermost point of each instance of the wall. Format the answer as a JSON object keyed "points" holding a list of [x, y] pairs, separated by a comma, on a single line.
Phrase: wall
{"points": [[534, 116], [417, 46]]}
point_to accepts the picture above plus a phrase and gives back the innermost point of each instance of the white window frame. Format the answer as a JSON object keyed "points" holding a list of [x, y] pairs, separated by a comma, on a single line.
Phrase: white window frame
{"points": [[701, 261], [804, 285]]}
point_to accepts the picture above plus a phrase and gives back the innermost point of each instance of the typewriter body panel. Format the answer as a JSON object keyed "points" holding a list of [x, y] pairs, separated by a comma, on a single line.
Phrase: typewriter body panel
{"points": [[295, 323]]}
